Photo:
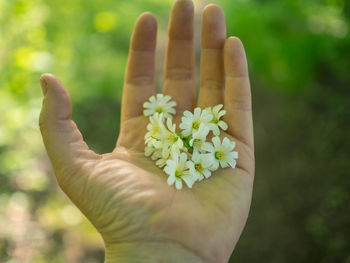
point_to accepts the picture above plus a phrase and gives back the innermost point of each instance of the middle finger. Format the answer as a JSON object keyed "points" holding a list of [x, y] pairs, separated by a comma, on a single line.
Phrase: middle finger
{"points": [[179, 80]]}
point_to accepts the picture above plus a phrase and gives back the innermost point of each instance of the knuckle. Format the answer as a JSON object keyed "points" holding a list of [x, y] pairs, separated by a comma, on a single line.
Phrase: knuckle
{"points": [[179, 73], [141, 80], [241, 104], [212, 84]]}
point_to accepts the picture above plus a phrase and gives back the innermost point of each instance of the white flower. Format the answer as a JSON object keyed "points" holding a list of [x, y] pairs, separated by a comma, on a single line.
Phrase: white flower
{"points": [[198, 138], [153, 152], [215, 123], [199, 167], [187, 156], [170, 141], [154, 128], [177, 170], [221, 154], [149, 151], [160, 104], [156, 155], [191, 122], [161, 162]]}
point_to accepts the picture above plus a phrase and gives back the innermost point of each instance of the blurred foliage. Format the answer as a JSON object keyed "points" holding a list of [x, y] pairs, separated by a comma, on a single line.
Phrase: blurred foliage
{"points": [[299, 57]]}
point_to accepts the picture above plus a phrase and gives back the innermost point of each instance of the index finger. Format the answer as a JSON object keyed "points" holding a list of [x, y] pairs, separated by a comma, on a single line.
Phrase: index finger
{"points": [[139, 76]]}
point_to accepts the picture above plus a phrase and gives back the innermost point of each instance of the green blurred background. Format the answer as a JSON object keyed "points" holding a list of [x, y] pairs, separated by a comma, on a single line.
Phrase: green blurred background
{"points": [[299, 58]]}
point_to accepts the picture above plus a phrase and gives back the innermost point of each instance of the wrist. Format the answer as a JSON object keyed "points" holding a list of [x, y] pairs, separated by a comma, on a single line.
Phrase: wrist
{"points": [[149, 251]]}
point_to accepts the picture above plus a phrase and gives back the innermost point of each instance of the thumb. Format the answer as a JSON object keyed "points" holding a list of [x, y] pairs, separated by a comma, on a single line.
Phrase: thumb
{"points": [[63, 141]]}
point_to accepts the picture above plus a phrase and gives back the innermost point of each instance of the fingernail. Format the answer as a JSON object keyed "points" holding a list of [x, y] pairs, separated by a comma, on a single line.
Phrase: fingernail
{"points": [[43, 84]]}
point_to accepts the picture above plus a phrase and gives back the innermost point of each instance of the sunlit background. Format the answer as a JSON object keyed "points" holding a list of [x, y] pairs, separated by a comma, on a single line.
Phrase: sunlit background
{"points": [[299, 58]]}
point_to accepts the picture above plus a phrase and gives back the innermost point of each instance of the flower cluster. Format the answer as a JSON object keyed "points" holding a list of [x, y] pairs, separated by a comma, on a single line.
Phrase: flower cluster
{"points": [[187, 155]]}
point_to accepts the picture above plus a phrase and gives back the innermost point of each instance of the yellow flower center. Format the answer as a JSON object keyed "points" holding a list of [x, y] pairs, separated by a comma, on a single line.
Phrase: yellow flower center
{"points": [[215, 120], [219, 155], [195, 125], [197, 142], [198, 167], [159, 110], [178, 172], [172, 138], [155, 130]]}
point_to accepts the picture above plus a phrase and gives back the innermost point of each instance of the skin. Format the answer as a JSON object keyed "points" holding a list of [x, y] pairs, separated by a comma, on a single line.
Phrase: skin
{"points": [[123, 193]]}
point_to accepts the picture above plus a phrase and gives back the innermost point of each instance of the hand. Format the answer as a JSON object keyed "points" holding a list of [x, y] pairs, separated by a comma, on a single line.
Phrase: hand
{"points": [[123, 193]]}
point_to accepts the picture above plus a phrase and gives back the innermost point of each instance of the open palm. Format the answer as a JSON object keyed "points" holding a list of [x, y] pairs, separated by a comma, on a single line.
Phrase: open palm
{"points": [[123, 193]]}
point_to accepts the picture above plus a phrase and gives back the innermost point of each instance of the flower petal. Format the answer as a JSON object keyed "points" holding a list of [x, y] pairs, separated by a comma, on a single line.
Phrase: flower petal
{"points": [[171, 103], [235, 155], [188, 179], [206, 116], [231, 146], [223, 164], [226, 142], [207, 158], [207, 173], [183, 158], [232, 163], [214, 166], [171, 179], [166, 98], [220, 114], [217, 108], [222, 125], [215, 129], [206, 146], [196, 113], [187, 114], [148, 112], [172, 110], [196, 157], [169, 124], [191, 142], [147, 105], [148, 151], [178, 184], [152, 99], [216, 141], [160, 162], [200, 177], [167, 170], [155, 155], [190, 165]]}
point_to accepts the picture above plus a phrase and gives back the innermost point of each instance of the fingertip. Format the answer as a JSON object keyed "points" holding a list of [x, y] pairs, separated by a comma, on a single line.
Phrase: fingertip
{"points": [[50, 80], [183, 3], [234, 47], [181, 21], [235, 58], [145, 33], [213, 10], [184, 8], [52, 83], [43, 84], [234, 42], [58, 99], [48, 77], [213, 27], [148, 20]]}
